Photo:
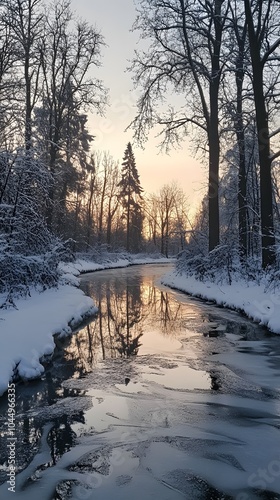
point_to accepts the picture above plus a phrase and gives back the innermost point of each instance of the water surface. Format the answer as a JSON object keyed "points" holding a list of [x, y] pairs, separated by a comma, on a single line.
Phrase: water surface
{"points": [[158, 389]]}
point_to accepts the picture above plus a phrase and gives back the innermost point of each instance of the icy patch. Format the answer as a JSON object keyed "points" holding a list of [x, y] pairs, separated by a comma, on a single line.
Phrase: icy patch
{"points": [[162, 445], [62, 407], [254, 367], [132, 455], [132, 388], [182, 377], [154, 342], [127, 479], [105, 411]]}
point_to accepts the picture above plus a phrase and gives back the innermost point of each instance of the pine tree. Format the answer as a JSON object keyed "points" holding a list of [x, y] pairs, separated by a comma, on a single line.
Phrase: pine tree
{"points": [[131, 198]]}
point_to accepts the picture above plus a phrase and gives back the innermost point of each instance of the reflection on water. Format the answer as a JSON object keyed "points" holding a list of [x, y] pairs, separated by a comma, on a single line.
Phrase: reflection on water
{"points": [[181, 377], [136, 318]]}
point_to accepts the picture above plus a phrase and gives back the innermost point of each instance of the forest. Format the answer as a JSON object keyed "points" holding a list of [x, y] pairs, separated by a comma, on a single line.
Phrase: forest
{"points": [[59, 196]]}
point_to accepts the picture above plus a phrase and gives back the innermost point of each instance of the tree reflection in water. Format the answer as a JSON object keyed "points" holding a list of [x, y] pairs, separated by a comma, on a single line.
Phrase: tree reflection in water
{"points": [[61, 437], [126, 312], [127, 329], [127, 309]]}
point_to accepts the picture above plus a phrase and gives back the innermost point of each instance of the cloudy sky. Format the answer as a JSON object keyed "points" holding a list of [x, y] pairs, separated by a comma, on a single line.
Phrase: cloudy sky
{"points": [[114, 18]]}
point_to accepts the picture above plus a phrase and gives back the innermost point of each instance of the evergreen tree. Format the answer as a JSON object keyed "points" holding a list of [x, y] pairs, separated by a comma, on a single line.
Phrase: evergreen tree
{"points": [[131, 198]]}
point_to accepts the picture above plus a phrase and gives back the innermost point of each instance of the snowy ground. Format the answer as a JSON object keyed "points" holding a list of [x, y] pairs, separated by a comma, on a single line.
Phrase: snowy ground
{"points": [[86, 266], [255, 301], [26, 333]]}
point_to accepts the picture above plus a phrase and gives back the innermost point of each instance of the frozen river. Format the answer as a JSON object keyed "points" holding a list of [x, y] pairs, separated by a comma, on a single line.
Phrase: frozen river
{"points": [[160, 396]]}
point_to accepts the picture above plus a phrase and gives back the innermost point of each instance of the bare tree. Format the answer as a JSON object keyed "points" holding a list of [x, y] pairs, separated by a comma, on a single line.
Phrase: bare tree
{"points": [[88, 195], [25, 20], [186, 54], [106, 194], [167, 219], [151, 218], [235, 108], [67, 54], [113, 201], [263, 20], [8, 84]]}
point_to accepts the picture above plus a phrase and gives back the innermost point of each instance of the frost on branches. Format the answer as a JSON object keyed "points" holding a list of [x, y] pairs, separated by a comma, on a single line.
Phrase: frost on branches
{"points": [[29, 253]]}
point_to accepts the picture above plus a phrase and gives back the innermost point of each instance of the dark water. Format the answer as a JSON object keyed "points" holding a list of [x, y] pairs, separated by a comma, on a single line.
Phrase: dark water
{"points": [[138, 319]]}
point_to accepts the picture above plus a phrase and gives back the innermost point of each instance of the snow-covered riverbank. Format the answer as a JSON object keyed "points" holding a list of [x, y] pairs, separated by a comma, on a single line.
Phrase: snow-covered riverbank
{"points": [[27, 332], [254, 300], [87, 266]]}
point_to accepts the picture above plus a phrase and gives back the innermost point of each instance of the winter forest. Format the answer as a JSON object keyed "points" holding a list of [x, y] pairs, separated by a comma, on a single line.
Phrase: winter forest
{"points": [[59, 196], [139, 328], [224, 57]]}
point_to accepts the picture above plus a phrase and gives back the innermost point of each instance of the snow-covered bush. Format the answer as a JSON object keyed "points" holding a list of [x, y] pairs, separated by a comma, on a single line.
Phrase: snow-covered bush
{"points": [[100, 254], [219, 266], [19, 273], [29, 253], [223, 266]]}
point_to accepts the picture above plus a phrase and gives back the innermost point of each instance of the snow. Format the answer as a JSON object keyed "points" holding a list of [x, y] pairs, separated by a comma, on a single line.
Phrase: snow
{"points": [[258, 369], [86, 266], [27, 333], [252, 299]]}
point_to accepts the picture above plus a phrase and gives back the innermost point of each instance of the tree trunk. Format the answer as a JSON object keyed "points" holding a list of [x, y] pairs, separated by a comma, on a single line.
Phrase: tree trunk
{"points": [[167, 237], [28, 106], [267, 226], [162, 240], [49, 211], [214, 158], [100, 219], [128, 224], [109, 230], [213, 131], [240, 135], [89, 212]]}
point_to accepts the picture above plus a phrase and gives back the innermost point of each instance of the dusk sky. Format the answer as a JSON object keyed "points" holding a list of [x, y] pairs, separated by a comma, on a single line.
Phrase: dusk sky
{"points": [[114, 19]]}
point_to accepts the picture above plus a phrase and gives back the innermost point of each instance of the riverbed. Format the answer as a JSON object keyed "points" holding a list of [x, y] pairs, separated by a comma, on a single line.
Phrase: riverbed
{"points": [[160, 396]]}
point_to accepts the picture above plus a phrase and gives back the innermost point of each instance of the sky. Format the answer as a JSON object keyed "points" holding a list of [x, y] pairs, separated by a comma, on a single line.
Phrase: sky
{"points": [[114, 18]]}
